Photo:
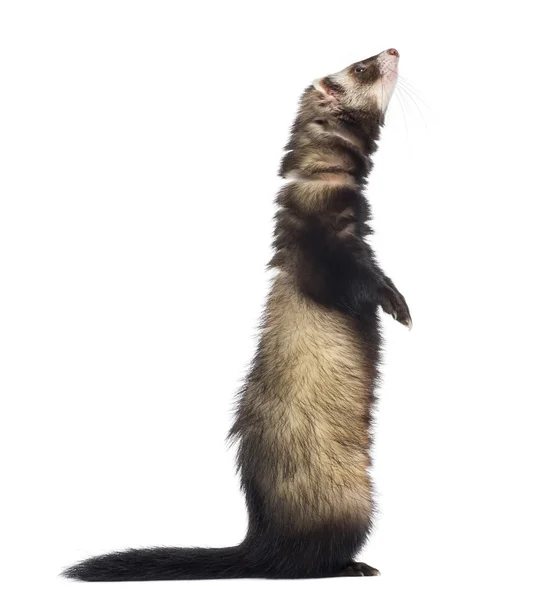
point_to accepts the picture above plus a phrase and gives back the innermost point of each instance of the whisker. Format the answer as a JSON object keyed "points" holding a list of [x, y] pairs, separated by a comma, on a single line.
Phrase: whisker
{"points": [[413, 92], [405, 83], [411, 97], [398, 96]]}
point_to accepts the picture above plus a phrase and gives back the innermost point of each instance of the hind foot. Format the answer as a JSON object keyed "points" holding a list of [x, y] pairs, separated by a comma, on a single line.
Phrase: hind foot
{"points": [[357, 569]]}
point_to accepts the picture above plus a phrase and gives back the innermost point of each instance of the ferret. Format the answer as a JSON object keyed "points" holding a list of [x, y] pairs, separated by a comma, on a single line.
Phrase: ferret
{"points": [[304, 414]]}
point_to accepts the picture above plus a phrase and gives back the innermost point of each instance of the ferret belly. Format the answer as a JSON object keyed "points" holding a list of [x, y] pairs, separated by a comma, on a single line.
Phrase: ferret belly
{"points": [[315, 398]]}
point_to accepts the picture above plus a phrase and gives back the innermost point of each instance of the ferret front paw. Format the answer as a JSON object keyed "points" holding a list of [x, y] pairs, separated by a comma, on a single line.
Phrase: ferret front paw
{"points": [[393, 302]]}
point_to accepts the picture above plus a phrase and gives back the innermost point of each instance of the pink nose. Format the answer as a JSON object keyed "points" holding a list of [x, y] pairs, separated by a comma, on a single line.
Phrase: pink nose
{"points": [[393, 52]]}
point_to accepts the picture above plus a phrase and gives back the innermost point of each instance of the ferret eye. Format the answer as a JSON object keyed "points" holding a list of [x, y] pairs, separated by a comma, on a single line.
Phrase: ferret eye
{"points": [[359, 69]]}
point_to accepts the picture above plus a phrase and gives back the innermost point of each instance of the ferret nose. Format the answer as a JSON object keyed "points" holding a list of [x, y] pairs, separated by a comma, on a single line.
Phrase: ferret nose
{"points": [[393, 52]]}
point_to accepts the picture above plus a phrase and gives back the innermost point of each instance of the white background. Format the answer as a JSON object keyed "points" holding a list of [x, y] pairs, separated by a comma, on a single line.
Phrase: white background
{"points": [[139, 148]]}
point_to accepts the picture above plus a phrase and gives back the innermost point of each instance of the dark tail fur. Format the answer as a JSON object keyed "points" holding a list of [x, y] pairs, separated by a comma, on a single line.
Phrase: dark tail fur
{"points": [[150, 564], [272, 554]]}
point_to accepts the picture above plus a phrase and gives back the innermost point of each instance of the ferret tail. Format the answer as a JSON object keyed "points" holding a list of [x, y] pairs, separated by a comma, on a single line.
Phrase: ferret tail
{"points": [[150, 564]]}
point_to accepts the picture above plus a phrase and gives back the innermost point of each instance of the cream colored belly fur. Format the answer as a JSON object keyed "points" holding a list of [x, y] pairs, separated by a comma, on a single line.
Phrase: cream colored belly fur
{"points": [[316, 402]]}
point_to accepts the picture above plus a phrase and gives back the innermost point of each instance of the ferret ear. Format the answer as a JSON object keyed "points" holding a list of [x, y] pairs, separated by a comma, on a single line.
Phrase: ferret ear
{"points": [[324, 86]]}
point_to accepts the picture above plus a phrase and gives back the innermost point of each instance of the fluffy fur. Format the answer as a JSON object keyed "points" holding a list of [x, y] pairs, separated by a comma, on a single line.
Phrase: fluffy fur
{"points": [[303, 420]]}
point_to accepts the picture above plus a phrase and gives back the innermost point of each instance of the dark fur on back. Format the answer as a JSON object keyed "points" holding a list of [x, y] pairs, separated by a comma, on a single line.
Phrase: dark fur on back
{"points": [[303, 420]]}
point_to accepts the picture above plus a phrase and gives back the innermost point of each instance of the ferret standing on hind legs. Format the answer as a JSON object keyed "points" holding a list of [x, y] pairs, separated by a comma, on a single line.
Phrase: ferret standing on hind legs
{"points": [[303, 420]]}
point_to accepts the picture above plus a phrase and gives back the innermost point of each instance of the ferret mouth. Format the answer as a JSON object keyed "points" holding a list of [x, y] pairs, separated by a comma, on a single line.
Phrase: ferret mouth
{"points": [[388, 63]]}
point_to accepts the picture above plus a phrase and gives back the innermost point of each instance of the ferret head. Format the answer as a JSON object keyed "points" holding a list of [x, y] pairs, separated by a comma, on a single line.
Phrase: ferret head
{"points": [[339, 121], [366, 85]]}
